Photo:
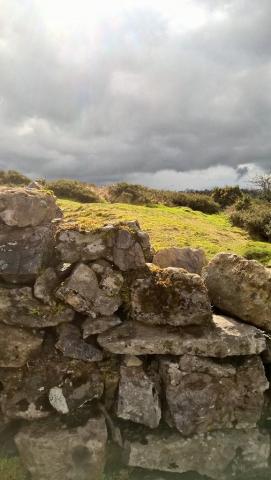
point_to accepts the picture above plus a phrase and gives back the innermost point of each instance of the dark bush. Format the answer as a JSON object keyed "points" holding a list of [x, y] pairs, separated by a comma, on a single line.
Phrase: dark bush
{"points": [[256, 219], [12, 177], [195, 201], [226, 196], [73, 190]]}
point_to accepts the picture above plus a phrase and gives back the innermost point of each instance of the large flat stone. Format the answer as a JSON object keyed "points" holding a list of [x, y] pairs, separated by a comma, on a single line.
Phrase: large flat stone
{"points": [[206, 394], [219, 455], [224, 338], [191, 259], [17, 345], [241, 288], [170, 296], [51, 451], [72, 345]]}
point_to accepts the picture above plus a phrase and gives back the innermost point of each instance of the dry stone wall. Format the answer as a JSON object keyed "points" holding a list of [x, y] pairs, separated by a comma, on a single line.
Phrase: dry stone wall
{"points": [[104, 353]]}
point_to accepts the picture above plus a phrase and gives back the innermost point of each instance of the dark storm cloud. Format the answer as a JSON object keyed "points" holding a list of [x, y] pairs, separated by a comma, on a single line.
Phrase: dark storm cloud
{"points": [[142, 97]]}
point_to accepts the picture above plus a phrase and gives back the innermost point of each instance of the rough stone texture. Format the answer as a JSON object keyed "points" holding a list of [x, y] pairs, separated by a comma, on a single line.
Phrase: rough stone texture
{"points": [[138, 399], [123, 244], [205, 394], [266, 355], [72, 345], [224, 338], [170, 296], [51, 451], [93, 326], [88, 294], [22, 207], [17, 345], [19, 307], [24, 252], [58, 400], [45, 285], [219, 455], [191, 259], [240, 287]]}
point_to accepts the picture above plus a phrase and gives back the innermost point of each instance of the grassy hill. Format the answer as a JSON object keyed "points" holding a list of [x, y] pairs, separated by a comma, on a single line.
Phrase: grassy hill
{"points": [[172, 226]]}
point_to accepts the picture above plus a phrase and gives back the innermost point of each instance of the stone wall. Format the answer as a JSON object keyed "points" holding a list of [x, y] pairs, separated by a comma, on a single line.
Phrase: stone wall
{"points": [[108, 358]]}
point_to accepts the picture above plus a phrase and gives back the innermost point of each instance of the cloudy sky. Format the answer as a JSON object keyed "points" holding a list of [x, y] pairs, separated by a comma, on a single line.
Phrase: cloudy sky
{"points": [[170, 93]]}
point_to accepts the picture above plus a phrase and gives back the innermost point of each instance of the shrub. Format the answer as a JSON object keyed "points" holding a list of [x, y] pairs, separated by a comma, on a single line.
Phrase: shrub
{"points": [[195, 201], [226, 196], [73, 190], [256, 219], [133, 194], [11, 177]]}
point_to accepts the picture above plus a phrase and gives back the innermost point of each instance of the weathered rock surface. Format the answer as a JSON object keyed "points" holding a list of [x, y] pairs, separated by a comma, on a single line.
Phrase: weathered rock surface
{"points": [[86, 293], [224, 338], [123, 244], [240, 287], [45, 285], [22, 207], [170, 296], [17, 345], [51, 451], [19, 307], [93, 326], [191, 259], [24, 252], [219, 455], [138, 398], [72, 345], [205, 394]]}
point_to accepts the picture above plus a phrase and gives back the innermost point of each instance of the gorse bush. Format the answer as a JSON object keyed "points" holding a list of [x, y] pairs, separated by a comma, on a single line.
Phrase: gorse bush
{"points": [[11, 177], [195, 201], [226, 196], [73, 190], [255, 218]]}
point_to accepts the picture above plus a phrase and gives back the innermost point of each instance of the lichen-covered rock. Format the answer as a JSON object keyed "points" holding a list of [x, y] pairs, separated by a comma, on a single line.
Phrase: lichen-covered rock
{"points": [[138, 399], [191, 259], [87, 293], [240, 287], [45, 285], [25, 252], [93, 326], [22, 207], [19, 307], [206, 394], [219, 455], [170, 296], [123, 244], [51, 451], [17, 345], [72, 345], [224, 338]]}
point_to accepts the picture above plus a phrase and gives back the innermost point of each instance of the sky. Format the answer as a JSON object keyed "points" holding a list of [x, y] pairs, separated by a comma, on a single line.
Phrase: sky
{"points": [[168, 93]]}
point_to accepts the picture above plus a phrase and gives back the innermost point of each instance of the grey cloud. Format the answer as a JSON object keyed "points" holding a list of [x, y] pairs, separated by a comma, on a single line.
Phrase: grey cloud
{"points": [[143, 99]]}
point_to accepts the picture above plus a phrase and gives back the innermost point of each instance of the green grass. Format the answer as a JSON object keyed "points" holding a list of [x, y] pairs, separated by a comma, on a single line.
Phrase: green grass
{"points": [[172, 226], [11, 469]]}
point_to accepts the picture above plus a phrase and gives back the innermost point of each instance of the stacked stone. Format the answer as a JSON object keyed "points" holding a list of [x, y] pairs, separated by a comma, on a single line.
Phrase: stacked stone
{"points": [[94, 338]]}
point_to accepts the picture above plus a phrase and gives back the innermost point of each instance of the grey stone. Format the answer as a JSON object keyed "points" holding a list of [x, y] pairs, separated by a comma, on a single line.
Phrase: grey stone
{"points": [[22, 207], [219, 455], [45, 285], [138, 399], [19, 307], [25, 252], [93, 326], [224, 338], [72, 345], [241, 288], [170, 296], [17, 345], [51, 451], [191, 259], [75, 246], [205, 394]]}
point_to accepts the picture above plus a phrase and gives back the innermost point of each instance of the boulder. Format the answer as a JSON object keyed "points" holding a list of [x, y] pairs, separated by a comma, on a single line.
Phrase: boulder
{"points": [[25, 252], [84, 291], [93, 326], [17, 345], [138, 399], [45, 285], [218, 455], [224, 338], [72, 345], [241, 288], [191, 259], [170, 296], [22, 207], [19, 307], [204, 394], [124, 244], [51, 451]]}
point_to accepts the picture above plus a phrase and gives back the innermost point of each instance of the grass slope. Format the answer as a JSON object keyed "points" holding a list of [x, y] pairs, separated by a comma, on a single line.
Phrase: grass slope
{"points": [[172, 226]]}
